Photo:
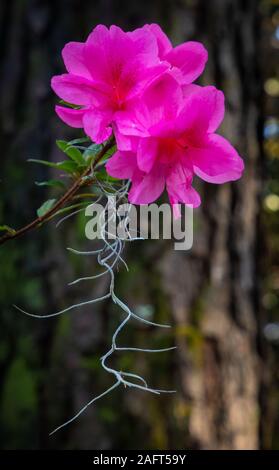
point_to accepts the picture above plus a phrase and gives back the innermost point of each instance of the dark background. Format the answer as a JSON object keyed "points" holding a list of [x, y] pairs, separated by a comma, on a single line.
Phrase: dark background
{"points": [[221, 297]]}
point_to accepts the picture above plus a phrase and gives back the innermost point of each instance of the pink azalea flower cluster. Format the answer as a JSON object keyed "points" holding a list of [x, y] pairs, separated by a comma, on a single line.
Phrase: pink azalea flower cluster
{"points": [[138, 86]]}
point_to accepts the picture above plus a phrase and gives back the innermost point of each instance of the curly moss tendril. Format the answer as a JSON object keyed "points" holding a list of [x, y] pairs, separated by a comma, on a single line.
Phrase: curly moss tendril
{"points": [[108, 256]]}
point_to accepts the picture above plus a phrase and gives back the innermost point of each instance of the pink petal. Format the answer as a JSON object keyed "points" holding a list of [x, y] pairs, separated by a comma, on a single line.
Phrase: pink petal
{"points": [[179, 174], [187, 195], [106, 52], [188, 90], [175, 208], [203, 112], [217, 110], [124, 142], [147, 188], [96, 51], [164, 44], [96, 125], [159, 103], [73, 56], [122, 165], [77, 90], [217, 162], [126, 62], [191, 197], [190, 58], [136, 77], [166, 129], [163, 99], [179, 187], [178, 179], [147, 153], [158, 106], [72, 117], [145, 44], [132, 122]]}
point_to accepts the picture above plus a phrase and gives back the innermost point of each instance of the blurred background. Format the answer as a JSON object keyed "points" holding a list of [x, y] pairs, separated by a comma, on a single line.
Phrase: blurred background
{"points": [[221, 297]]}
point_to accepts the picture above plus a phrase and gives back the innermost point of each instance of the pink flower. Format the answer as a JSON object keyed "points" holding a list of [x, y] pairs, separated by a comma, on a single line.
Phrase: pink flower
{"points": [[186, 61], [105, 72], [167, 137], [112, 67]]}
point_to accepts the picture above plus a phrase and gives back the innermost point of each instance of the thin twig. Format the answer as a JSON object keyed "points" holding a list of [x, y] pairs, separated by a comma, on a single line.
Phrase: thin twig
{"points": [[68, 196]]}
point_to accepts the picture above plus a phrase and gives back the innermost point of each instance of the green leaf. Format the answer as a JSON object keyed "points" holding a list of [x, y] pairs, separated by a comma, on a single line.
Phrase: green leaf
{"points": [[71, 151], [45, 207], [91, 151], [110, 152], [76, 155], [102, 175], [79, 205], [62, 144], [81, 140], [43, 162], [52, 183], [67, 166], [107, 155], [6, 228]]}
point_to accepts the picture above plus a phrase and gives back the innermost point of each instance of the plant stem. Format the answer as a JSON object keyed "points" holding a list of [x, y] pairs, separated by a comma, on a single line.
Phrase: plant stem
{"points": [[70, 193]]}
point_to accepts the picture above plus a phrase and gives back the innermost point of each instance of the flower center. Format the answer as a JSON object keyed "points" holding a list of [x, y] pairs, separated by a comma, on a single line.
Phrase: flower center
{"points": [[170, 150]]}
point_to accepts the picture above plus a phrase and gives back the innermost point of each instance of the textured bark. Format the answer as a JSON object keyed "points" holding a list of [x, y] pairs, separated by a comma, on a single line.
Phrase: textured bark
{"points": [[221, 271]]}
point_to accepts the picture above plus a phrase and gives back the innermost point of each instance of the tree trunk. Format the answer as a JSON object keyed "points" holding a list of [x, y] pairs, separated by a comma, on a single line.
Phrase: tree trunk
{"points": [[213, 289]]}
